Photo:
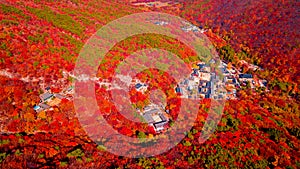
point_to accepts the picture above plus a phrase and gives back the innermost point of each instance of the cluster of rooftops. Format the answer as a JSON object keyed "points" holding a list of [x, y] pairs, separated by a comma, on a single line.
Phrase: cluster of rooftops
{"points": [[204, 83], [187, 27], [49, 99], [200, 84], [155, 116]]}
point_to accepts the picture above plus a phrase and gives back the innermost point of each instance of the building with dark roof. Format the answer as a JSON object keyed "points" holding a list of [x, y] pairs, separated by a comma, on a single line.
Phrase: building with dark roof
{"points": [[159, 126], [155, 117], [224, 71], [178, 90], [195, 72], [44, 106], [186, 82], [137, 86], [245, 76], [201, 66], [46, 96]]}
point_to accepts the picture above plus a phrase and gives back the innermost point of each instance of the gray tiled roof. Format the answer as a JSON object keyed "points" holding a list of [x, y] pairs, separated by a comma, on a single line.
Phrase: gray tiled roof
{"points": [[151, 111], [44, 106], [46, 96], [59, 96], [159, 124], [163, 118], [245, 76], [148, 118]]}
